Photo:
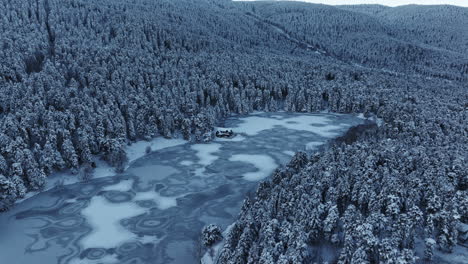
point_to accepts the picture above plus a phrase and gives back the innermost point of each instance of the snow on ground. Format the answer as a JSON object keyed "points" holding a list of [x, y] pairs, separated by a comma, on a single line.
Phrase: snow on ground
{"points": [[257, 113], [265, 165], [205, 153], [237, 138], [104, 218], [289, 152], [317, 124]]}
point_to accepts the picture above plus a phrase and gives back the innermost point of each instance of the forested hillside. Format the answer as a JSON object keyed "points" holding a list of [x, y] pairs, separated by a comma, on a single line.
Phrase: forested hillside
{"points": [[81, 79], [438, 26], [429, 41]]}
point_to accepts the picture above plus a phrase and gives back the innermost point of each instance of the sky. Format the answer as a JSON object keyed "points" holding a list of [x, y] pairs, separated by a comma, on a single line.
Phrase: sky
{"points": [[391, 2]]}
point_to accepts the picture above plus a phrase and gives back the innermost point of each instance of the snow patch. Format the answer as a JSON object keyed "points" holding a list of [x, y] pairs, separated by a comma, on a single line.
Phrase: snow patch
{"points": [[289, 152], [104, 218], [265, 165], [313, 145], [186, 163], [252, 125], [164, 202], [199, 172], [122, 186], [205, 153]]}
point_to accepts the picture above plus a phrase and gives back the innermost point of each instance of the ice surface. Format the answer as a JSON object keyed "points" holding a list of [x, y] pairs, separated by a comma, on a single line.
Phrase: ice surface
{"points": [[186, 163], [264, 163], [103, 170], [108, 259], [104, 217], [205, 153], [317, 124], [313, 145], [122, 186], [163, 202], [138, 149], [149, 239], [151, 173], [134, 151], [199, 172], [168, 183]]}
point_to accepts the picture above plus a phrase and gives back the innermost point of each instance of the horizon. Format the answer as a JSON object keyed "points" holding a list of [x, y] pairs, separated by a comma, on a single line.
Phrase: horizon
{"points": [[392, 3]]}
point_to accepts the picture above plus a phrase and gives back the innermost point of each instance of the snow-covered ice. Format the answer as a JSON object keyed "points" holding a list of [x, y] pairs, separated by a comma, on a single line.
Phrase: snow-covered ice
{"points": [[122, 186], [108, 259], [318, 124], [205, 153], [138, 149], [163, 202], [157, 200], [105, 217], [264, 163], [313, 145], [186, 163]]}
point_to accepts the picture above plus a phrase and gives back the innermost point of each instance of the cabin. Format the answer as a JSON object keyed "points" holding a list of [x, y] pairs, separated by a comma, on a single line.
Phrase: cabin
{"points": [[224, 134]]}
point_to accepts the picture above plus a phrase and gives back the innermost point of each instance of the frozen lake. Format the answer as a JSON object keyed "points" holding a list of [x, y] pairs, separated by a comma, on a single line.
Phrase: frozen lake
{"points": [[155, 210]]}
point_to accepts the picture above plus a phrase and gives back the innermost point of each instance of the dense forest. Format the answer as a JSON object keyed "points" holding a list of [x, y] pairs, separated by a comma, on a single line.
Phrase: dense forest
{"points": [[79, 80]]}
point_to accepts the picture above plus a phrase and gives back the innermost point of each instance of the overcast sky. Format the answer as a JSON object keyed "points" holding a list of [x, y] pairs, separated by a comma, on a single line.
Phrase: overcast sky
{"points": [[391, 2]]}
